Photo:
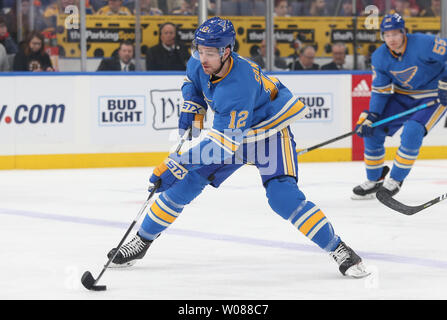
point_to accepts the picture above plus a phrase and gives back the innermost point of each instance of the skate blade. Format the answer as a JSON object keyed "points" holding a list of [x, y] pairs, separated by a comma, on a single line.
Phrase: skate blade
{"points": [[357, 271], [123, 265], [370, 196]]}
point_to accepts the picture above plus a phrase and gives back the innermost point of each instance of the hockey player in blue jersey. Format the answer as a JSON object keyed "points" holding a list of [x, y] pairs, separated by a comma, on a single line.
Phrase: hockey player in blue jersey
{"points": [[252, 114], [408, 70]]}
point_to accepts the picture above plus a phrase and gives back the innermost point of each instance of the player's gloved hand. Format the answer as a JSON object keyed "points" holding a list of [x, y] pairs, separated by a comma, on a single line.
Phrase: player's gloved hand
{"points": [[168, 172], [363, 127], [191, 116], [442, 92]]}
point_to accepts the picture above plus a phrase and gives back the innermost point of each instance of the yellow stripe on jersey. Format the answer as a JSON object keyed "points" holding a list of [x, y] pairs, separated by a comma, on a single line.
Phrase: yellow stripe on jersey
{"points": [[293, 110], [289, 167], [435, 117], [270, 86], [387, 90], [410, 92], [223, 140]]}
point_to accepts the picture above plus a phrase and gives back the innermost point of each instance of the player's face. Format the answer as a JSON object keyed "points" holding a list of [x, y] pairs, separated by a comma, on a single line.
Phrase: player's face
{"points": [[394, 39], [209, 58]]}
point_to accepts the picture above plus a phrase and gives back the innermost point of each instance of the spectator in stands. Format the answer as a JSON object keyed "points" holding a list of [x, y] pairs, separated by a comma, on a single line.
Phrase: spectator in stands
{"points": [[413, 7], [281, 8], [5, 38], [169, 54], [97, 4], [11, 20], [318, 8], [296, 45], [297, 7], [402, 7], [305, 60], [347, 9], [187, 8], [147, 9], [423, 4], [33, 56], [338, 57], [368, 56], [4, 62], [261, 59], [433, 11], [115, 7], [122, 61]]}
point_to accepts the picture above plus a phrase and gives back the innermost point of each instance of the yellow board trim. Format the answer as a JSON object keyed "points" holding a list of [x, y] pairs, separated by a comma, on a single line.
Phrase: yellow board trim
{"points": [[151, 159], [78, 161]]}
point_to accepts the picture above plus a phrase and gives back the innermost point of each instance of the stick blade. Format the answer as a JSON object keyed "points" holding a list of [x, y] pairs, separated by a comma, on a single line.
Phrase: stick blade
{"points": [[88, 282], [386, 198]]}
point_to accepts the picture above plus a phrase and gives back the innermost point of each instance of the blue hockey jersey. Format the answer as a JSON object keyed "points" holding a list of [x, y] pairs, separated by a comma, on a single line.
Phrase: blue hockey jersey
{"points": [[414, 73], [247, 104]]}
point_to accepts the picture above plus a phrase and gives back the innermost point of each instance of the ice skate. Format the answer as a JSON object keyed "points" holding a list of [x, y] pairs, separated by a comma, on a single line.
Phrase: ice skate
{"points": [[350, 264], [391, 186], [129, 253], [368, 189]]}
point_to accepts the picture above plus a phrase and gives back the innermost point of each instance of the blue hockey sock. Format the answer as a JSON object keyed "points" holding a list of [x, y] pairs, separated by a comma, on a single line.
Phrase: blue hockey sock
{"points": [[290, 203], [411, 141], [170, 204], [160, 215], [374, 155]]}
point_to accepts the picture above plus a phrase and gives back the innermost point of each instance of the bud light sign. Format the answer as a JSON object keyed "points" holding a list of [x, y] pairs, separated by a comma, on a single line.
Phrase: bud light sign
{"points": [[121, 111]]}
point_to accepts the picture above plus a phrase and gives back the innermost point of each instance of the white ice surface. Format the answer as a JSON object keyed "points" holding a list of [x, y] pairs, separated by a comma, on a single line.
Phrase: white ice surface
{"points": [[228, 244]]}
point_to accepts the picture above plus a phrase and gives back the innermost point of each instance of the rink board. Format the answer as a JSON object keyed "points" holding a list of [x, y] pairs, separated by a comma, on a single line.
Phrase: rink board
{"points": [[83, 120]]}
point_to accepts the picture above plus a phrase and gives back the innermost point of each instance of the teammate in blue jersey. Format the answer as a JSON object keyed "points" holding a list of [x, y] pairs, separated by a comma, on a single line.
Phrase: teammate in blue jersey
{"points": [[252, 114], [408, 71]]}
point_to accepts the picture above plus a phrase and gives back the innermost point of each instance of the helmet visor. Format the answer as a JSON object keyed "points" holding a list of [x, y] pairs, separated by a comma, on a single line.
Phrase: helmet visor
{"points": [[209, 52]]}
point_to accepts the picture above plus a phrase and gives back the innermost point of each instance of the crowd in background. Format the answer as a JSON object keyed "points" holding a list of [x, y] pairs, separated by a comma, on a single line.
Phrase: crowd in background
{"points": [[25, 51]]}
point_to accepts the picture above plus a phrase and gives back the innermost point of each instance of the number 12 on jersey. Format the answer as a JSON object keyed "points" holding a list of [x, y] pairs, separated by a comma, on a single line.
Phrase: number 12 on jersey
{"points": [[238, 119]]}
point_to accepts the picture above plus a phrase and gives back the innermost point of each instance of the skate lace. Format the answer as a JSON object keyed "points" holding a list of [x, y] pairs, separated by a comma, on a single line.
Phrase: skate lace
{"points": [[368, 184], [391, 184], [341, 254], [135, 246]]}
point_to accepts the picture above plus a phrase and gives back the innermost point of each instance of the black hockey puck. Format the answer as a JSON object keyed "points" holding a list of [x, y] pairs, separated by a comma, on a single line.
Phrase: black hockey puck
{"points": [[88, 282]]}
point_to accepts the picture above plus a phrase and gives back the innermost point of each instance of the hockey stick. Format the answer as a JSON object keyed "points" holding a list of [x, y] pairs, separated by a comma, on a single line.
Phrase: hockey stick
{"points": [[375, 124], [87, 280], [386, 198]]}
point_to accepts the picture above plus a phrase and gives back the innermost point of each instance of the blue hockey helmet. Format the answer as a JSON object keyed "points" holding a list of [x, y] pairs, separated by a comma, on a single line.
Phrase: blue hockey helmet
{"points": [[392, 22], [214, 32]]}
